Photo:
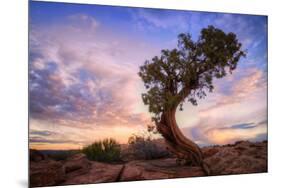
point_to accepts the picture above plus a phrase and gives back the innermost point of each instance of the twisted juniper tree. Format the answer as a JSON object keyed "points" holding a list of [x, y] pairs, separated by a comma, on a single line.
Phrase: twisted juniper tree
{"points": [[187, 73]]}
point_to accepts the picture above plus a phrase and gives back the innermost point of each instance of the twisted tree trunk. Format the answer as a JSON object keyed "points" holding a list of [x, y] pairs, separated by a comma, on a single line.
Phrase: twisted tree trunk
{"points": [[185, 149]]}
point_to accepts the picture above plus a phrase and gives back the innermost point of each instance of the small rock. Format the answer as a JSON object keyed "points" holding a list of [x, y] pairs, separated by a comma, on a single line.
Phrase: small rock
{"points": [[240, 158], [76, 165], [99, 173], [158, 169]]}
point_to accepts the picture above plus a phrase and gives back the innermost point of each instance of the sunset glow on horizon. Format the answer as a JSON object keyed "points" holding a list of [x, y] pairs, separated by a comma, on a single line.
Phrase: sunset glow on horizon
{"points": [[84, 86]]}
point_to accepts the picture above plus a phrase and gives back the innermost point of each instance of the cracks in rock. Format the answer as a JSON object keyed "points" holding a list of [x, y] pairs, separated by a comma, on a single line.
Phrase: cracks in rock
{"points": [[118, 178]]}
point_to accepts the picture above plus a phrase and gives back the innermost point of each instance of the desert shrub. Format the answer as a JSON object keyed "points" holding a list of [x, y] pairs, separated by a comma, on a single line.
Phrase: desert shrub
{"points": [[144, 147], [107, 150]]}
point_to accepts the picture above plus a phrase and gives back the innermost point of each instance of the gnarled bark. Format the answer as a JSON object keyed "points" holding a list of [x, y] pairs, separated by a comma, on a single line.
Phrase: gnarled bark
{"points": [[181, 146]]}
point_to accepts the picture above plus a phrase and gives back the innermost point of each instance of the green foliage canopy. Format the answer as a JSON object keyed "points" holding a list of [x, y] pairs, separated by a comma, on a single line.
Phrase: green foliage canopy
{"points": [[188, 70]]}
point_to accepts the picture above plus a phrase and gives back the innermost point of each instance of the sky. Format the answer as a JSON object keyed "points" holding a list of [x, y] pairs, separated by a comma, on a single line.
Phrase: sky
{"points": [[84, 86]]}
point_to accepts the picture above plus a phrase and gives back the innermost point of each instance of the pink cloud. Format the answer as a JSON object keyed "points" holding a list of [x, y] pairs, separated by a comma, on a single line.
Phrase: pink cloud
{"points": [[86, 82], [247, 88], [245, 101]]}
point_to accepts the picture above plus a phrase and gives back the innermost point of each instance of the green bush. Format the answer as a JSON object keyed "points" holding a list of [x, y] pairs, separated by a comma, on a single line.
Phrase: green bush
{"points": [[107, 150]]}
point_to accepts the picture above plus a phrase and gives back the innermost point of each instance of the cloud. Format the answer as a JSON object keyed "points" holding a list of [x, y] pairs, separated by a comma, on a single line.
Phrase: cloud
{"points": [[151, 19], [227, 134], [83, 84], [83, 20], [241, 126], [247, 87], [236, 110], [230, 134], [41, 133], [48, 141]]}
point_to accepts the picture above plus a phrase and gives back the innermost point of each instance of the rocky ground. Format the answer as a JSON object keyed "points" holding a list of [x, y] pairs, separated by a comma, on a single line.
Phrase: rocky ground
{"points": [[239, 158]]}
